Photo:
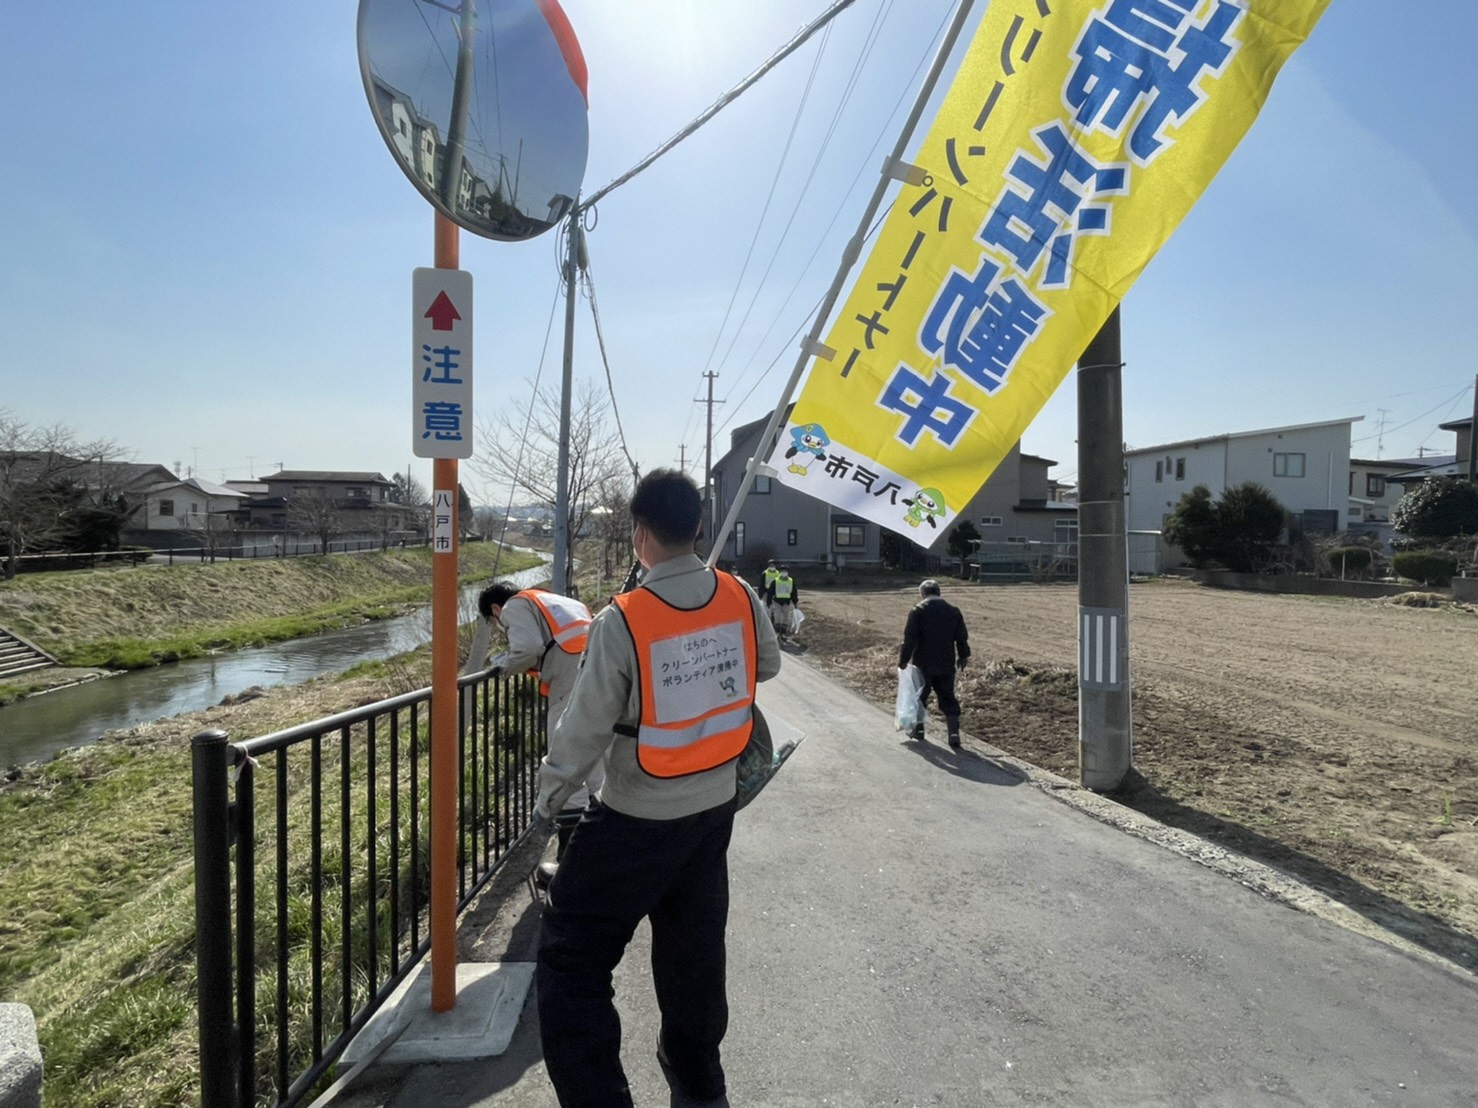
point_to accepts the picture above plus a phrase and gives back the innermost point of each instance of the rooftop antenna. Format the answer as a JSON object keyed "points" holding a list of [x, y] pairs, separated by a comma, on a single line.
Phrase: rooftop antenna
{"points": [[1380, 431]]}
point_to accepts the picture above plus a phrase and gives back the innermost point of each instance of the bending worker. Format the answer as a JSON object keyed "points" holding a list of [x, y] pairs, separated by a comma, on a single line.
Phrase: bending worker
{"points": [[546, 635], [665, 697]]}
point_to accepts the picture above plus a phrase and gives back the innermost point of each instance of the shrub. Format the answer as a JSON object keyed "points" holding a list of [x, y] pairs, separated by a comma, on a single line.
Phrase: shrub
{"points": [[1192, 526], [963, 539], [1430, 567], [1248, 519], [1346, 560], [1438, 508]]}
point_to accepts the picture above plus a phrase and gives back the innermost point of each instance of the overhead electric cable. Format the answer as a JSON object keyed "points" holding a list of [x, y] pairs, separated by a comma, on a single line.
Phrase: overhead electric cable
{"points": [[726, 99], [760, 223], [805, 186], [528, 421], [837, 209], [600, 340], [795, 123]]}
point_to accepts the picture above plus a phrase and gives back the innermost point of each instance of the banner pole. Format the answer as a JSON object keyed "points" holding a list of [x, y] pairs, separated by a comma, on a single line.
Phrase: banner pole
{"points": [[850, 255]]}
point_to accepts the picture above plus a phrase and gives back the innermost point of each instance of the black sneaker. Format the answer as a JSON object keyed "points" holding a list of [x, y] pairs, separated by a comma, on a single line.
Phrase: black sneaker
{"points": [[917, 734], [544, 875], [954, 741]]}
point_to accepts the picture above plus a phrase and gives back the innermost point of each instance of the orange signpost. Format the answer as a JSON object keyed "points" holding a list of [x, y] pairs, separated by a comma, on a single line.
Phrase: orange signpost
{"points": [[444, 709], [519, 74]]}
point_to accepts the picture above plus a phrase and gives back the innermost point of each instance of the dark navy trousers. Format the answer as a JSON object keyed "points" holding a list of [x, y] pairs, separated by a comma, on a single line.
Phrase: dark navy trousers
{"points": [[617, 871]]}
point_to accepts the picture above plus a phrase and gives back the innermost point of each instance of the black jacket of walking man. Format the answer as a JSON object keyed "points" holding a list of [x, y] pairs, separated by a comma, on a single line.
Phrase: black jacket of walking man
{"points": [[935, 640], [664, 696]]}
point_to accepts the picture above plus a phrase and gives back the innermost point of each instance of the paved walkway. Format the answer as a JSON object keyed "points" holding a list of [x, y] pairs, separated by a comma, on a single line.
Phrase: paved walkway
{"points": [[916, 926]]}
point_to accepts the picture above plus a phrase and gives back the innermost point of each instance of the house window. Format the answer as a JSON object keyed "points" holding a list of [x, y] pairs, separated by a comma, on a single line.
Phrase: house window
{"points": [[792, 537], [1375, 485], [1066, 530], [166, 507], [849, 535], [761, 485], [1159, 471], [739, 540], [990, 521], [1180, 469], [1288, 465]]}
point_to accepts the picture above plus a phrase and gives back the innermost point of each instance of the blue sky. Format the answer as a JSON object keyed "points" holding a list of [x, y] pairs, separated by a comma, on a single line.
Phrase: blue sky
{"points": [[206, 251]]}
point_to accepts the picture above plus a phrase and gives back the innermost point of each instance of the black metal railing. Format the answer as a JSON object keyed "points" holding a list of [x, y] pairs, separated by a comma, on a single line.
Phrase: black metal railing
{"points": [[341, 860]]}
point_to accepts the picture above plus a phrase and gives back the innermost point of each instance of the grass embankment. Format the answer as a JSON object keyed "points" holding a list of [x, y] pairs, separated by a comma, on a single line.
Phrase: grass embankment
{"points": [[97, 876], [96, 872], [129, 618]]}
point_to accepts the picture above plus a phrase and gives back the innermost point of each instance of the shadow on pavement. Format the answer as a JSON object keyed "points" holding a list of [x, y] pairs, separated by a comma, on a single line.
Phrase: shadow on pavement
{"points": [[1417, 927], [964, 762]]}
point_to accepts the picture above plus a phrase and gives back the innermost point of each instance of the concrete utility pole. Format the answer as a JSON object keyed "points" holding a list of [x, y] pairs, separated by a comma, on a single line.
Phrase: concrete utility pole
{"points": [[1473, 437], [573, 260], [1105, 728], [708, 465]]}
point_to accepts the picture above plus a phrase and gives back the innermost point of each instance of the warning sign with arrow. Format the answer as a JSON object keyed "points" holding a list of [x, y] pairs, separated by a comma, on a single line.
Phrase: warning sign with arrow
{"points": [[441, 359]]}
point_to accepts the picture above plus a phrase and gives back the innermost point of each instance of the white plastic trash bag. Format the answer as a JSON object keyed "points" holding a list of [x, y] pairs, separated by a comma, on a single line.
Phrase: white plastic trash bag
{"points": [[797, 617], [910, 711]]}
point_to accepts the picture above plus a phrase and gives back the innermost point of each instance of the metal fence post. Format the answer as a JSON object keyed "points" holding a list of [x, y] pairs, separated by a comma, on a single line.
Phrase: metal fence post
{"points": [[210, 758]]}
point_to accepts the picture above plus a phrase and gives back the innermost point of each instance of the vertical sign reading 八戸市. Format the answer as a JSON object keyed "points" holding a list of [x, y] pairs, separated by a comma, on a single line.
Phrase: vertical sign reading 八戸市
{"points": [[1075, 137], [443, 521], [441, 360]]}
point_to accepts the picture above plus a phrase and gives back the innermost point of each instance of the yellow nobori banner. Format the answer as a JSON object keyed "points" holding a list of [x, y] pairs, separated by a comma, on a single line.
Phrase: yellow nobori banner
{"points": [[1074, 139]]}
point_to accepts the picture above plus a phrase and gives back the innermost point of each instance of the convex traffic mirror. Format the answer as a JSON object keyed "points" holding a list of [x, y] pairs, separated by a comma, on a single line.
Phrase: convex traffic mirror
{"points": [[483, 105]]}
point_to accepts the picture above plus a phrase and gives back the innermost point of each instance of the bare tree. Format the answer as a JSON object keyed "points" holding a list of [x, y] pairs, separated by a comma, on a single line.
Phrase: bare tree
{"points": [[413, 512], [408, 490], [318, 514], [214, 531], [49, 499], [525, 458], [611, 526]]}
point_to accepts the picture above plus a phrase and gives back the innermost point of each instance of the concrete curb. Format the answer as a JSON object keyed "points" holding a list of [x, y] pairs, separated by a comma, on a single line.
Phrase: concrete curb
{"points": [[20, 1058]]}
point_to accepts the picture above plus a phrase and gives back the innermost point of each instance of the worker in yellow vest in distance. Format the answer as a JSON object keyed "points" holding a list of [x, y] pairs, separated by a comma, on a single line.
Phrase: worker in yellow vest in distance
{"points": [[771, 572], [784, 597]]}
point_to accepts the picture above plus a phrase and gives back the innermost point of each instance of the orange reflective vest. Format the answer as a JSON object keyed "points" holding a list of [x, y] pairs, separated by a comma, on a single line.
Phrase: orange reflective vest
{"points": [[567, 619], [697, 671]]}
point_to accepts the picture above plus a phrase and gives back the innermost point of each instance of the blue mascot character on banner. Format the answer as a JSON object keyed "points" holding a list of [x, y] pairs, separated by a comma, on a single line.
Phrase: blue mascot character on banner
{"points": [[807, 444], [923, 507]]}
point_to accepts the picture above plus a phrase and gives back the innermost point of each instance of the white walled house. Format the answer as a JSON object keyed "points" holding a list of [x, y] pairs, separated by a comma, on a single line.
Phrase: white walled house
{"points": [[188, 505], [1305, 466]]}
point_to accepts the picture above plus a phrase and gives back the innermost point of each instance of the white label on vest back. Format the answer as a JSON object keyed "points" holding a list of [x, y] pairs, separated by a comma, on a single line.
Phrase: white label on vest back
{"points": [[695, 673]]}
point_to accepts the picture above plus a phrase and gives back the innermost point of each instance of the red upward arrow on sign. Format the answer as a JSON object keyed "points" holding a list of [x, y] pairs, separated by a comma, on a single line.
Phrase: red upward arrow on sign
{"points": [[441, 313]]}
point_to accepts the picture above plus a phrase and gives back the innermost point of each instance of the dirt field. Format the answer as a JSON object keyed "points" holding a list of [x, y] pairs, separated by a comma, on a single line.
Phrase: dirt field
{"points": [[1334, 739]]}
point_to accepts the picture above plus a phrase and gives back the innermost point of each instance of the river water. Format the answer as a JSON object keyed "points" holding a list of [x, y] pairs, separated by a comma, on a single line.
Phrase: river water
{"points": [[37, 727]]}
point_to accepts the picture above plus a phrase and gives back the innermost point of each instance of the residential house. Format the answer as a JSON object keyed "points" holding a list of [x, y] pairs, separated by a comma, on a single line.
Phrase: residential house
{"points": [[1305, 466], [1458, 464], [362, 498], [168, 511], [184, 505], [1015, 505], [1373, 495]]}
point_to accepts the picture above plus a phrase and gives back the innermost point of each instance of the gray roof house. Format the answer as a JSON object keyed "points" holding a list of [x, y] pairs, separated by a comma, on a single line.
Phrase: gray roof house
{"points": [[1015, 505]]}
